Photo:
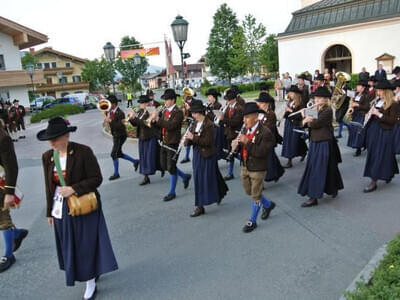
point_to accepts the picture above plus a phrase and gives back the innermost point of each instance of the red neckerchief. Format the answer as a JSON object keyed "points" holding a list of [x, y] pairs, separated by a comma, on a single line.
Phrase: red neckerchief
{"points": [[250, 136], [167, 113], [371, 91], [112, 115], [17, 110], [230, 111]]}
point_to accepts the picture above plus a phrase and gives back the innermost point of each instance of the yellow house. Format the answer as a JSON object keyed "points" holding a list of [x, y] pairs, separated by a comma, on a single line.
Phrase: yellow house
{"points": [[62, 73]]}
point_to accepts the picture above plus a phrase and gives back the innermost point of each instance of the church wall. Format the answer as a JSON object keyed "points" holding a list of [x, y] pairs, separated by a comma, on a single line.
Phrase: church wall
{"points": [[365, 43]]}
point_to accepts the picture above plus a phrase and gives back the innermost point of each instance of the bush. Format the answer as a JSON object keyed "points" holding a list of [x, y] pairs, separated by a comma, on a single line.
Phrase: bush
{"points": [[385, 280], [243, 87], [353, 82], [58, 110]]}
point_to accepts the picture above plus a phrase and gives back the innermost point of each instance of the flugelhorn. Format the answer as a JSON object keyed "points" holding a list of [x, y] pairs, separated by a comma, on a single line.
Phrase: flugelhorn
{"points": [[104, 106]]}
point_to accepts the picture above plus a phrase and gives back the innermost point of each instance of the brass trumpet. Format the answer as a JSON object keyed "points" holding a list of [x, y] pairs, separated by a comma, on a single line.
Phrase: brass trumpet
{"points": [[104, 106]]}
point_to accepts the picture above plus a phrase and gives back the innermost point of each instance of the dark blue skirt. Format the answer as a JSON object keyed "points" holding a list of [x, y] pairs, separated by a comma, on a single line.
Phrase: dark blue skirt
{"points": [[293, 145], [396, 134], [274, 169], [206, 184], [148, 156], [83, 246], [321, 174], [381, 163], [356, 133], [219, 142]]}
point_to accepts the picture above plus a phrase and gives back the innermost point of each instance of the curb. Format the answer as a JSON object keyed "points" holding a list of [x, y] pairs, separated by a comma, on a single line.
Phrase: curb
{"points": [[366, 272], [108, 135]]}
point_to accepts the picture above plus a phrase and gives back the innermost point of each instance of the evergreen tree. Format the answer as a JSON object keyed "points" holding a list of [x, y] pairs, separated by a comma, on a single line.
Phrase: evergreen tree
{"points": [[269, 54]]}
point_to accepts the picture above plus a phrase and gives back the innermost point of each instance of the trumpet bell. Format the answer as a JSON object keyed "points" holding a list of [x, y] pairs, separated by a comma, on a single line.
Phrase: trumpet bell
{"points": [[188, 92], [343, 76], [104, 105]]}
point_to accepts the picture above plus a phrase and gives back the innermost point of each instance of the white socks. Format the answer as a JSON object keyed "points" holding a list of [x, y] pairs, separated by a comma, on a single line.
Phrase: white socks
{"points": [[90, 287]]}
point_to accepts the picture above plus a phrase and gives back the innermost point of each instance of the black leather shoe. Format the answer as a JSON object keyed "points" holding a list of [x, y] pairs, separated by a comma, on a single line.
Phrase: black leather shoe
{"points": [[113, 177], [185, 160], [145, 181], [302, 158], [186, 181], [93, 296], [136, 165], [339, 136], [249, 227], [288, 165], [228, 177], [334, 195], [370, 188], [357, 153], [22, 137], [267, 211], [310, 202], [388, 181], [169, 197], [162, 173], [18, 241], [198, 211], [6, 263]]}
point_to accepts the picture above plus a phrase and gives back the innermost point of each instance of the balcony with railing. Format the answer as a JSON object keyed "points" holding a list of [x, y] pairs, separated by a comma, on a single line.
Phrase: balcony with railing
{"points": [[62, 86]]}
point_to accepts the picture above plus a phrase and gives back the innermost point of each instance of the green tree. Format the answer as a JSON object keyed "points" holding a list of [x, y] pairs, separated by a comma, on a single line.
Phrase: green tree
{"points": [[238, 59], [129, 70], [269, 54], [99, 73], [220, 43], [255, 37], [28, 59]]}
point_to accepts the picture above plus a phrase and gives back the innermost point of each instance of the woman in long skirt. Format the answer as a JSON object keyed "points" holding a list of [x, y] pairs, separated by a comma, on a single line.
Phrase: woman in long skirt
{"points": [[83, 245], [209, 185], [268, 119], [359, 107], [147, 140], [293, 143], [396, 129], [321, 174], [219, 135], [381, 161]]}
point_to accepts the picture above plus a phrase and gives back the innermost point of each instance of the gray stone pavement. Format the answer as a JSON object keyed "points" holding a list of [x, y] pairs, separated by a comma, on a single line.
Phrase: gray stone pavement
{"points": [[164, 254]]}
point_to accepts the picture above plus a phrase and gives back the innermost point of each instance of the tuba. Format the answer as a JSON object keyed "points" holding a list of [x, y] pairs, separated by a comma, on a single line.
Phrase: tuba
{"points": [[338, 96], [104, 106], [188, 92]]}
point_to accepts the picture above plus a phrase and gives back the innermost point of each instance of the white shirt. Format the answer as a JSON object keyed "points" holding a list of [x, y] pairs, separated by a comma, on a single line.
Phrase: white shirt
{"points": [[198, 126], [252, 129], [171, 108], [379, 104], [63, 163]]}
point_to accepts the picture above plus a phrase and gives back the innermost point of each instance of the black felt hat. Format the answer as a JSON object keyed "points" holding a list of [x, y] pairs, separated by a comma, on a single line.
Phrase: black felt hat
{"points": [[230, 94], [112, 98], [323, 92], [251, 108], [302, 76], [169, 94], [265, 98], [320, 77], [264, 86], [235, 88], [363, 83], [143, 99], [294, 89], [213, 92], [384, 85], [372, 78], [149, 93], [396, 70], [197, 106], [55, 128], [15, 101]]}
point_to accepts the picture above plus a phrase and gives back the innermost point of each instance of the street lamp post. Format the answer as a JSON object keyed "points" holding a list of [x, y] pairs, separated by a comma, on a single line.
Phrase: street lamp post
{"points": [[60, 80], [30, 70], [137, 61], [179, 29], [109, 53]]}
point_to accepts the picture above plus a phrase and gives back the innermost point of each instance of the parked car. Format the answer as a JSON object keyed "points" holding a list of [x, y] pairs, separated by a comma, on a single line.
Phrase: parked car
{"points": [[64, 100], [39, 102]]}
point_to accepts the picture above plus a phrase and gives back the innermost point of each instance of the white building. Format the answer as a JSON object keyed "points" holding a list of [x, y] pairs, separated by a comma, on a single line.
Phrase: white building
{"points": [[342, 34], [14, 81]]}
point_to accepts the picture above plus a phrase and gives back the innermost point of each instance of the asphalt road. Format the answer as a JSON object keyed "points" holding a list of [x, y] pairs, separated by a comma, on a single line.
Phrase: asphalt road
{"points": [[164, 254]]}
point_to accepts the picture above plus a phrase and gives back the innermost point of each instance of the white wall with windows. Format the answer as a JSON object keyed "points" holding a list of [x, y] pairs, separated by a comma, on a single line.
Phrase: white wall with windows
{"points": [[11, 58]]}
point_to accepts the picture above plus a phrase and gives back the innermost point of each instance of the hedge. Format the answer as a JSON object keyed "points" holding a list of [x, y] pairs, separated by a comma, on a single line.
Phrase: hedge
{"points": [[247, 87], [58, 110], [385, 280]]}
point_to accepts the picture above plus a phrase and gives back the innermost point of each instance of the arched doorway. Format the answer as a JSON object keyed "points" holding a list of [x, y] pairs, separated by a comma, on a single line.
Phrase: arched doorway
{"points": [[338, 57]]}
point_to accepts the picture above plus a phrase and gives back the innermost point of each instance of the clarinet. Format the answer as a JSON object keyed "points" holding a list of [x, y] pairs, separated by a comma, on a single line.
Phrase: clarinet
{"points": [[233, 152], [182, 142]]}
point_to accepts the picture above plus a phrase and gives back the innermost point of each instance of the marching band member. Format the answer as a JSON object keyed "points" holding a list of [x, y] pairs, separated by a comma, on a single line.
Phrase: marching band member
{"points": [[12, 236], [293, 143], [360, 107], [213, 104], [170, 123], [239, 99], [396, 130], [321, 174], [209, 186], [188, 95], [268, 119], [147, 140], [12, 121], [265, 89], [152, 102], [371, 89], [19, 112], [255, 145], [381, 162], [319, 80], [305, 96], [118, 131], [233, 121]]}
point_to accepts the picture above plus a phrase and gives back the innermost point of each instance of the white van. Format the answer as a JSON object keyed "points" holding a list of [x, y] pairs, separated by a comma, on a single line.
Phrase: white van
{"points": [[83, 99]]}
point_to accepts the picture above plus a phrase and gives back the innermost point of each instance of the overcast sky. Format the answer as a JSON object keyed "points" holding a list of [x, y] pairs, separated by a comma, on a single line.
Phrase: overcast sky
{"points": [[82, 28]]}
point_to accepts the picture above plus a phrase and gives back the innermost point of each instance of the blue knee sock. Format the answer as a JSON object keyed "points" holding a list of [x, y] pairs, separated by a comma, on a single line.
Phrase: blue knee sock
{"points": [[127, 157], [255, 209], [181, 174], [8, 236], [172, 184], [116, 166], [17, 232], [340, 128], [187, 148], [230, 168], [346, 124], [265, 202]]}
